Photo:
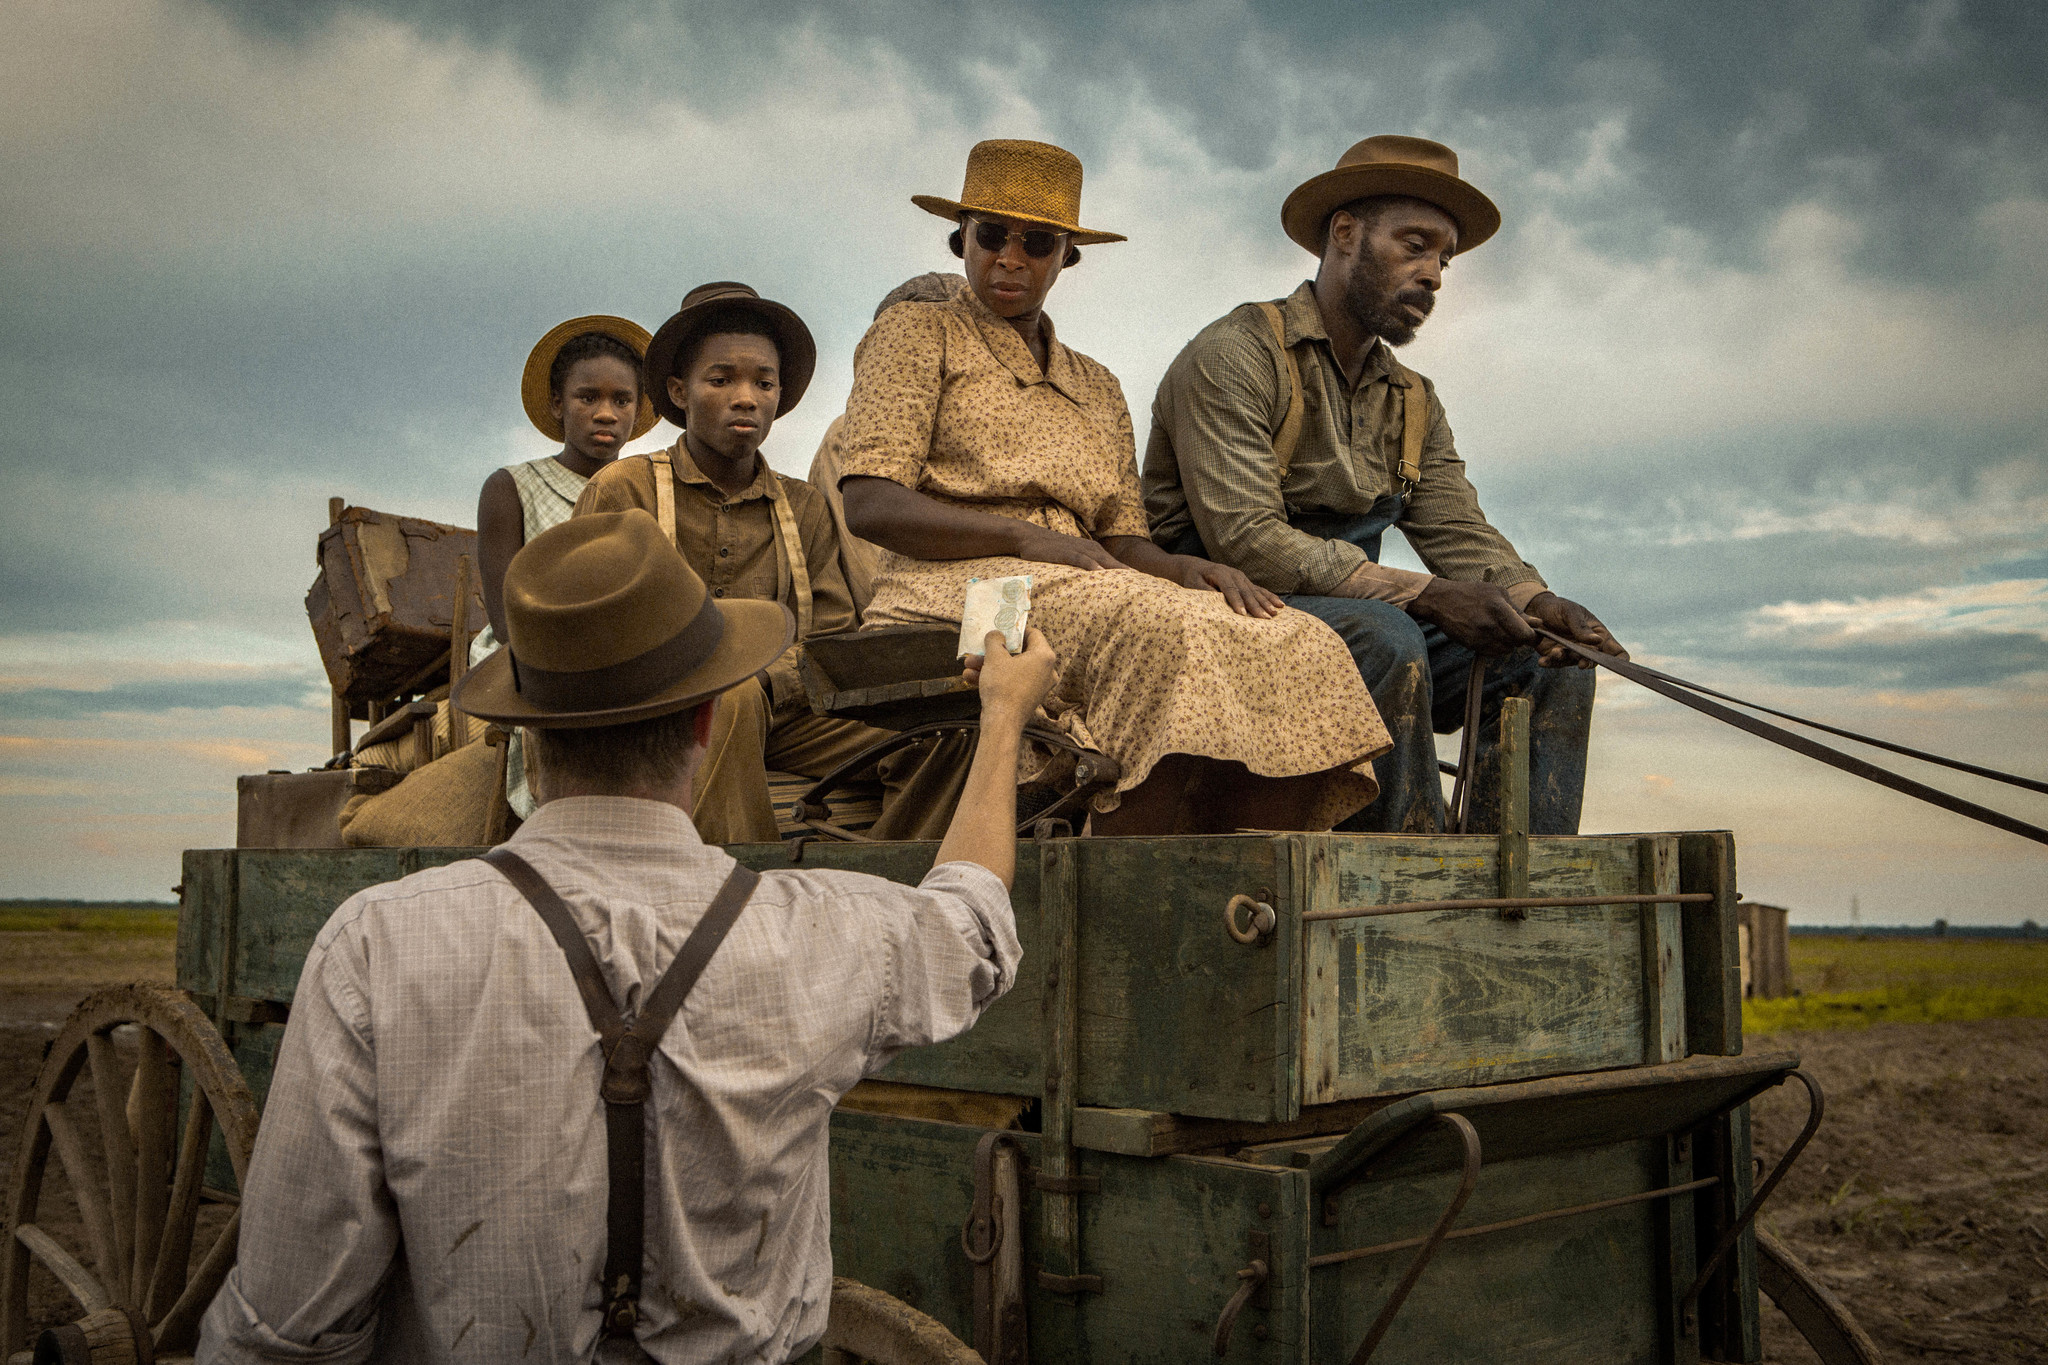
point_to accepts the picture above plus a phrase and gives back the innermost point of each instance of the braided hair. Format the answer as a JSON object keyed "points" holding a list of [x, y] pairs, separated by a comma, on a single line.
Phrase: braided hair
{"points": [[589, 346]]}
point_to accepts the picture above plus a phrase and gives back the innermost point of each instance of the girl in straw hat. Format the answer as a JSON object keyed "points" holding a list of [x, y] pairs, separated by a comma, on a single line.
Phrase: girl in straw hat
{"points": [[978, 446], [581, 387]]}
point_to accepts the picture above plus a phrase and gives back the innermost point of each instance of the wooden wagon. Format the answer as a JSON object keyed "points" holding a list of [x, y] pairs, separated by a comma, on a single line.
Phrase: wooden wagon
{"points": [[1256, 1091]]}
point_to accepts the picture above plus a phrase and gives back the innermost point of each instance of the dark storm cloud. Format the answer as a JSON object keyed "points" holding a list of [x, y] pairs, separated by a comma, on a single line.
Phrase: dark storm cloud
{"points": [[1905, 659], [1909, 117]]}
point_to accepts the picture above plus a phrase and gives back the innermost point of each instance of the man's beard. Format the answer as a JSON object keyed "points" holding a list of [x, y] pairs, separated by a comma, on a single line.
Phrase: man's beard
{"points": [[1374, 306]]}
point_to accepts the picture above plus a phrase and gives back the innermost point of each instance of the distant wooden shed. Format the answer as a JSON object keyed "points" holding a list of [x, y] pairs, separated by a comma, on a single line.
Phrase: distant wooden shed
{"points": [[1766, 950]]}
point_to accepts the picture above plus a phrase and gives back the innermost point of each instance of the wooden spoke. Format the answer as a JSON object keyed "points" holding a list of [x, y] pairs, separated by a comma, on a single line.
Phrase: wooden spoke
{"points": [[59, 1262], [174, 1253], [141, 1188], [154, 1104], [110, 1090], [85, 1185], [179, 1328]]}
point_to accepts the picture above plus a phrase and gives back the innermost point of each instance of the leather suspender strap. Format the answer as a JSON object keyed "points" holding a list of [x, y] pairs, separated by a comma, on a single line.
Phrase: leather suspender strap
{"points": [[665, 493], [627, 1047], [1414, 423], [793, 560], [1289, 435]]}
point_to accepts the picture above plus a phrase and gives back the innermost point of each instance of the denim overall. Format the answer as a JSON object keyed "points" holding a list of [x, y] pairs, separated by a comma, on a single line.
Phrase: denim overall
{"points": [[1417, 676]]}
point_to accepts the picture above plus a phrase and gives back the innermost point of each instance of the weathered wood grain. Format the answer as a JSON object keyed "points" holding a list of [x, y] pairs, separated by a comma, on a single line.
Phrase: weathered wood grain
{"points": [[1663, 952], [1713, 971], [1410, 1002]]}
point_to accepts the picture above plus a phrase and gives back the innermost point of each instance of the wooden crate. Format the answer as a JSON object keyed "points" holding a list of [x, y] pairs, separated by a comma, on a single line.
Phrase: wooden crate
{"points": [[1176, 1017]]}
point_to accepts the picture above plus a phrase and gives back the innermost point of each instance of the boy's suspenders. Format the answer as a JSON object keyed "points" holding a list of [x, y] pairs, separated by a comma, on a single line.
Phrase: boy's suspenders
{"points": [[792, 567], [627, 1050], [1414, 415]]}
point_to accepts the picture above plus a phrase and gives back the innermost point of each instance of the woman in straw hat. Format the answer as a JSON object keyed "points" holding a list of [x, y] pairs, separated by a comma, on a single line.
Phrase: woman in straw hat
{"points": [[978, 446], [581, 387]]}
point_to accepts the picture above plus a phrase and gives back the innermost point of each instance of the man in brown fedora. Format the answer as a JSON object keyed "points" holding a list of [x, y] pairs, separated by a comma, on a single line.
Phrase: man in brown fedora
{"points": [[570, 1100], [1286, 439], [724, 368]]}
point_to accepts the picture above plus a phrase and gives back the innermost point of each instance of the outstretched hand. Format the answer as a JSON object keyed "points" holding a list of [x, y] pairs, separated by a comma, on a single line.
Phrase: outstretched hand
{"points": [[1565, 617], [1245, 597], [1012, 685]]}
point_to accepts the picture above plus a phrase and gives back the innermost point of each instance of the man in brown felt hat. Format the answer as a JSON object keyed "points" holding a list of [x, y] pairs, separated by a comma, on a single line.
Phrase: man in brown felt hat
{"points": [[1286, 439], [723, 369], [437, 1168]]}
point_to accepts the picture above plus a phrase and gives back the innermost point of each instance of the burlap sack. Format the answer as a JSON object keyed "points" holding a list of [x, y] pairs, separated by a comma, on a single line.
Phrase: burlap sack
{"points": [[452, 729], [457, 800]]}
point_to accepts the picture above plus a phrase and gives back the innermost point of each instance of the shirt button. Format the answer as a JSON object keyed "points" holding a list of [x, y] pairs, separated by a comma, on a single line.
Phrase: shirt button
{"points": [[718, 592], [724, 550]]}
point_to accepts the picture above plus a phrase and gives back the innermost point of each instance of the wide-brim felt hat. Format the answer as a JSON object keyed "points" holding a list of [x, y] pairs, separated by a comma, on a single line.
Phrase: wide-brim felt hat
{"points": [[707, 302], [1390, 164], [607, 623], [533, 385], [1032, 182]]}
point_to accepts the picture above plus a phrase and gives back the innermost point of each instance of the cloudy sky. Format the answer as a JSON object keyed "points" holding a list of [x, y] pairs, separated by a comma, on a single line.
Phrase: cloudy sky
{"points": [[1755, 368]]}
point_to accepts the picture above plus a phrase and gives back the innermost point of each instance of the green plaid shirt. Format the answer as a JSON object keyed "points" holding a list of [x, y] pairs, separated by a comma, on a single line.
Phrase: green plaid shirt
{"points": [[1209, 463]]}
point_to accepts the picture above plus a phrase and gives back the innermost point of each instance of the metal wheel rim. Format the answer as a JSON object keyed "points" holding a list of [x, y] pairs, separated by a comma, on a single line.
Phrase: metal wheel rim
{"points": [[139, 1237]]}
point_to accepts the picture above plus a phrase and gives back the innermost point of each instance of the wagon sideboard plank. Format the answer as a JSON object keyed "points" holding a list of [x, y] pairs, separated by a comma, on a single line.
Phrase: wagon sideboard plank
{"points": [[1415, 1001]]}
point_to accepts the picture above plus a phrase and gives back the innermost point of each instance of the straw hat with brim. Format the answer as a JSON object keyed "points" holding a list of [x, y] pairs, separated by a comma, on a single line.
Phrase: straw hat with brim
{"points": [[707, 303], [1031, 182], [533, 385], [1390, 164], [607, 623]]}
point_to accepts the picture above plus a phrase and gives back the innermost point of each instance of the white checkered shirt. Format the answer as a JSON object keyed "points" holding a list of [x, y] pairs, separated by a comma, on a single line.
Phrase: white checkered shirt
{"points": [[429, 1178]]}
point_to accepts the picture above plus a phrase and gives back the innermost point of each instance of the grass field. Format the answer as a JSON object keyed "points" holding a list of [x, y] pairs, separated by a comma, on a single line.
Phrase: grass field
{"points": [[1850, 982], [128, 918]]}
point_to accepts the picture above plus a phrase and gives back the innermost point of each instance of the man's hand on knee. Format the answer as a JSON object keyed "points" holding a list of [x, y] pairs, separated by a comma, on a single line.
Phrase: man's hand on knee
{"points": [[1562, 616], [1478, 616]]}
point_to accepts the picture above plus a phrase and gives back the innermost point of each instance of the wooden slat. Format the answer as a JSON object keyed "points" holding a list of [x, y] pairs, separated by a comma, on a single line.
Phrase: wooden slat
{"points": [[110, 1093], [1059, 891], [1514, 802], [152, 1105], [1663, 946], [79, 1282], [1712, 963], [174, 1252], [87, 1186], [179, 1328]]}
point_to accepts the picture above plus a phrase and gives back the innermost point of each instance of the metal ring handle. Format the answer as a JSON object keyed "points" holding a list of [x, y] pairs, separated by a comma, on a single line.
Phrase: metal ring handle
{"points": [[1263, 919]]}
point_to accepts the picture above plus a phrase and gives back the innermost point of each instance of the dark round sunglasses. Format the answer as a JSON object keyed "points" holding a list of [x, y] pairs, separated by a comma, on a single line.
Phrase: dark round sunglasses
{"points": [[1039, 243]]}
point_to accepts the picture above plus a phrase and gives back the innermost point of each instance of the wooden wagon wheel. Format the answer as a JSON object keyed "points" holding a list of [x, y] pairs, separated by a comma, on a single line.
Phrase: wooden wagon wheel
{"points": [[1824, 1320], [138, 1187], [868, 1325]]}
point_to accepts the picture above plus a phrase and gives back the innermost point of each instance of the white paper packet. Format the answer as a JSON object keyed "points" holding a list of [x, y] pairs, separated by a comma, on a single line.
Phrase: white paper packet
{"points": [[1002, 604]]}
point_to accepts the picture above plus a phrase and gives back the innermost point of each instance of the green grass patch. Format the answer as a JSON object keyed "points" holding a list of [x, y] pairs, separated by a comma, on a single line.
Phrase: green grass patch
{"points": [[1850, 982], [146, 919]]}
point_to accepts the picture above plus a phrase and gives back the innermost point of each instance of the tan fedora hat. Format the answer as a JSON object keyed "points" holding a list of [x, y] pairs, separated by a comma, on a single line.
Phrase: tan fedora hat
{"points": [[606, 623], [533, 385], [703, 304], [1390, 164], [1033, 182]]}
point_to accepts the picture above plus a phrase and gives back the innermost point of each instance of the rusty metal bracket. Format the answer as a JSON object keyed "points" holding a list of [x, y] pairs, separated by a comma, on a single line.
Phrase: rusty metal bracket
{"points": [[1253, 1290], [1688, 1307], [1468, 1180], [1069, 1284], [1065, 1184]]}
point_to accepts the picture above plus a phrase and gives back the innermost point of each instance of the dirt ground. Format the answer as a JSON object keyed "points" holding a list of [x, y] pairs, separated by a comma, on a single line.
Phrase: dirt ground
{"points": [[1922, 1202]]}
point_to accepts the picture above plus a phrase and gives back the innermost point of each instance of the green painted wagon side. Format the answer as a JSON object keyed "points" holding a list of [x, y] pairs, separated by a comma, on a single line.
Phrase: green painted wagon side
{"points": [[1177, 1017], [1169, 1235]]}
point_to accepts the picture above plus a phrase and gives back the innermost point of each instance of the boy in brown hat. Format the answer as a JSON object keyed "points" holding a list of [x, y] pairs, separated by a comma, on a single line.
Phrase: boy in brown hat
{"points": [[1286, 439], [466, 1143], [723, 369]]}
